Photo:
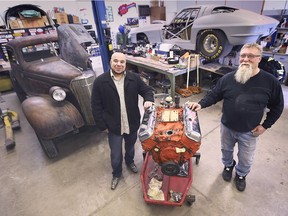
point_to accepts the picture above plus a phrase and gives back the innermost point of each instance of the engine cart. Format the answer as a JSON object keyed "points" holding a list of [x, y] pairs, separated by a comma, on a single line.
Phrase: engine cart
{"points": [[175, 188], [170, 136]]}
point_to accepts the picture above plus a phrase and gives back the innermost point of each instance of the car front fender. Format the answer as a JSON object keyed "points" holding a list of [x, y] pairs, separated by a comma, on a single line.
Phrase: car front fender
{"points": [[51, 119]]}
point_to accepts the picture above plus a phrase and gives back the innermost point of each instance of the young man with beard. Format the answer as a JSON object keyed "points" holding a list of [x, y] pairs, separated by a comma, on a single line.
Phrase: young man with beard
{"points": [[115, 109], [246, 94]]}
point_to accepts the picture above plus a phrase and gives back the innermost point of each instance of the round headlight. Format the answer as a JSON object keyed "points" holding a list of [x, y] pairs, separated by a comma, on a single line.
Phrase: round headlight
{"points": [[57, 93]]}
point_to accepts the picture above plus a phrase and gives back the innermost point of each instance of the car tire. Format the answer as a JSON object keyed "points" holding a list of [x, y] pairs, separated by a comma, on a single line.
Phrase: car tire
{"points": [[142, 38], [212, 44], [17, 88], [49, 147]]}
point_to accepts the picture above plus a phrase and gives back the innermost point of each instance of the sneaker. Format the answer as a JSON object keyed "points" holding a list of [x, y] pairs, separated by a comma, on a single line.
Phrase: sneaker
{"points": [[114, 182], [133, 167], [227, 172], [240, 182]]}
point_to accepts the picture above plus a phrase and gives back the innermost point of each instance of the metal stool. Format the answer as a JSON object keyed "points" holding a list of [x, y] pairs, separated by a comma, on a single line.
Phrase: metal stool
{"points": [[149, 78], [165, 85]]}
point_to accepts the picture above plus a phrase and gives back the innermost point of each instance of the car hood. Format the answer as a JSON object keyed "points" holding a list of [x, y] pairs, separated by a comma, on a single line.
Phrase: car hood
{"points": [[53, 69], [149, 27], [239, 18]]}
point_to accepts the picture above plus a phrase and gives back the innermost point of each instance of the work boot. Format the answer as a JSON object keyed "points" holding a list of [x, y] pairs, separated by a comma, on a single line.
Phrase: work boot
{"points": [[227, 172], [132, 167], [240, 182], [114, 182]]}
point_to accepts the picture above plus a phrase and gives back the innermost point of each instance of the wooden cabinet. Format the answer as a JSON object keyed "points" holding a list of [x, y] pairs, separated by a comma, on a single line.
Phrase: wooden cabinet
{"points": [[158, 13]]}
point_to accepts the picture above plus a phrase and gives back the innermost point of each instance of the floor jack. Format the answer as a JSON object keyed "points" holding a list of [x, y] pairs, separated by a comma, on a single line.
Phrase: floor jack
{"points": [[11, 122]]}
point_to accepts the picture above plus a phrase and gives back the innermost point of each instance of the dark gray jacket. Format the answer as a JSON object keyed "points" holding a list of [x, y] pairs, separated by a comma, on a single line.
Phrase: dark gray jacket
{"points": [[105, 102], [244, 104]]}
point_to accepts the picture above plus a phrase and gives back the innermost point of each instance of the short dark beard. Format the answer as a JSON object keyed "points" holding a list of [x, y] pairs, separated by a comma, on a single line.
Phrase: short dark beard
{"points": [[117, 74]]}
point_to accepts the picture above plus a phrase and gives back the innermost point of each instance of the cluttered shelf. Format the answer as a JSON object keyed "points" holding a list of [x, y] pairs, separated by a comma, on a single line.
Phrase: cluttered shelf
{"points": [[277, 43], [4, 65]]}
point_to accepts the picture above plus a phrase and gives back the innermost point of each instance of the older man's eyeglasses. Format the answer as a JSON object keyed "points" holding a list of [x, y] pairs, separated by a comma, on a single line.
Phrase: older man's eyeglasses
{"points": [[249, 56]]}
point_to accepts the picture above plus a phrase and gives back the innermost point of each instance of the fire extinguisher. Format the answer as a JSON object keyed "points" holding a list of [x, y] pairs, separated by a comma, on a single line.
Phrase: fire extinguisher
{"points": [[110, 47], [108, 41]]}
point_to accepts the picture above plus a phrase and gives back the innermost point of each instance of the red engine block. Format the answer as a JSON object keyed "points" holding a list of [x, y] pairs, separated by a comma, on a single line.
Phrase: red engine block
{"points": [[172, 135]]}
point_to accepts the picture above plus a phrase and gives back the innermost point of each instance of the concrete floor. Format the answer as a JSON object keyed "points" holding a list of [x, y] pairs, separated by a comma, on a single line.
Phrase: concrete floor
{"points": [[78, 182]]}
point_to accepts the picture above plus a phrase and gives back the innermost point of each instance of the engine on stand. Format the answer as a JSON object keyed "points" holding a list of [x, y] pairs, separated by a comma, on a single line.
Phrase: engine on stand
{"points": [[171, 134]]}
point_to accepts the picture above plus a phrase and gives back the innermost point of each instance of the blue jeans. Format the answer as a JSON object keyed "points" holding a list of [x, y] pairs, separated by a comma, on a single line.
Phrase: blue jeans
{"points": [[246, 149], [116, 156]]}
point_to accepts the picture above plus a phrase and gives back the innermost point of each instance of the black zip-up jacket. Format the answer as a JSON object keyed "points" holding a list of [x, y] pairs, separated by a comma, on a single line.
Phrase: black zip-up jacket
{"points": [[244, 104], [105, 102]]}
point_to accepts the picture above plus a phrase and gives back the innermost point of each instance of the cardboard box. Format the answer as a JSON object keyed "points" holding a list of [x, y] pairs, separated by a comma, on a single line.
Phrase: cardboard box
{"points": [[154, 3], [61, 18], [157, 13], [194, 59], [76, 19], [20, 23], [33, 22], [14, 24], [45, 20]]}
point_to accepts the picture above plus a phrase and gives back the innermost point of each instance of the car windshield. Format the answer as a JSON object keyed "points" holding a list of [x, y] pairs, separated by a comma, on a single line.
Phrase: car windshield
{"points": [[186, 16], [180, 27], [40, 51], [223, 10]]}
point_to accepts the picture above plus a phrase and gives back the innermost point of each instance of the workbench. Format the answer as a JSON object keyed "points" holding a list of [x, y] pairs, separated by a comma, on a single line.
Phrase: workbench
{"points": [[160, 67], [215, 68]]}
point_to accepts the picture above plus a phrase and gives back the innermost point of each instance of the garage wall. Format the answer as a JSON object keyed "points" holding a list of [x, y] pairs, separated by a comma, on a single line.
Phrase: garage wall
{"points": [[132, 12], [275, 4], [254, 6], [122, 19]]}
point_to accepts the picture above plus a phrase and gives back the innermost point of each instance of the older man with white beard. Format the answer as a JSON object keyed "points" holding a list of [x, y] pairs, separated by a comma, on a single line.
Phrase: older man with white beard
{"points": [[246, 94]]}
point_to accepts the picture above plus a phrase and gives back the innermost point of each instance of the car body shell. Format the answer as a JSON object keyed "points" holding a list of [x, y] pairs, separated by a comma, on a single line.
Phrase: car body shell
{"points": [[238, 25]]}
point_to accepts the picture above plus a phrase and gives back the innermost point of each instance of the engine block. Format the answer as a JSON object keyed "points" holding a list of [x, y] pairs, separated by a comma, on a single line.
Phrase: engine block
{"points": [[171, 134]]}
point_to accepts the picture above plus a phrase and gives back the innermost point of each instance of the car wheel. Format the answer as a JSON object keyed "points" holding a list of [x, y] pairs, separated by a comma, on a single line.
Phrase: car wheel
{"points": [[48, 147], [190, 199], [212, 44], [17, 88], [142, 38]]}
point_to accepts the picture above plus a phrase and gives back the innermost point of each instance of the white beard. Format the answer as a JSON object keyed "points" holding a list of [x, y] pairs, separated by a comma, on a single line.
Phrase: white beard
{"points": [[244, 73]]}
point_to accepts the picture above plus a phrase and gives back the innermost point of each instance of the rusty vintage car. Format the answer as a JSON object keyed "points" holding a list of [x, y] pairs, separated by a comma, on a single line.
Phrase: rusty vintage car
{"points": [[52, 76]]}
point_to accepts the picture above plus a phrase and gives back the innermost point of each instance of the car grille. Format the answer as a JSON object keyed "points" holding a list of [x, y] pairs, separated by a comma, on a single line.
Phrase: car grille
{"points": [[82, 88]]}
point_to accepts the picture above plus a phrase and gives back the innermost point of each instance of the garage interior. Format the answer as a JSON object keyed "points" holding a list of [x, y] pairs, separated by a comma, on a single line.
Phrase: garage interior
{"points": [[78, 181]]}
